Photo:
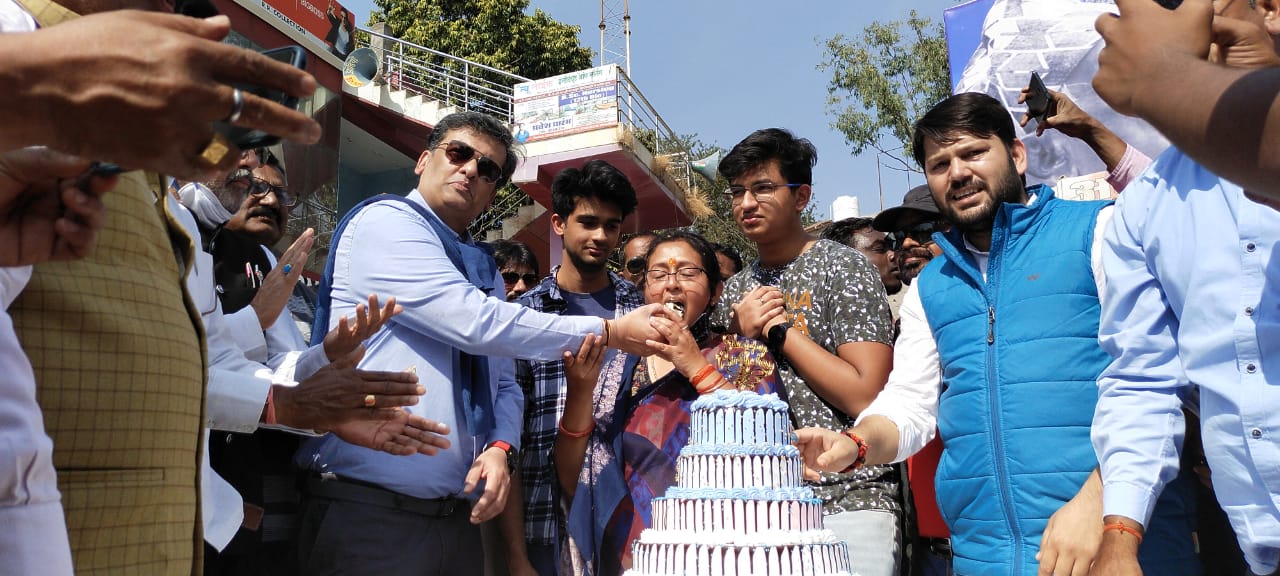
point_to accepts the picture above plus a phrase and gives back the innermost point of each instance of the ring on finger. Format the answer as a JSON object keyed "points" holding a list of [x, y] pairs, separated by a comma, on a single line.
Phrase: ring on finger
{"points": [[237, 105], [370, 400]]}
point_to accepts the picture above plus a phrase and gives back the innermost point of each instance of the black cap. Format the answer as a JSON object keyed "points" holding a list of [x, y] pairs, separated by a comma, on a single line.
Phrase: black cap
{"points": [[917, 200]]}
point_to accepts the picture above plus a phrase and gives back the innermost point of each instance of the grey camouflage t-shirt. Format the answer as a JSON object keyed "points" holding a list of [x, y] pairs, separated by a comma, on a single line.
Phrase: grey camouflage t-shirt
{"points": [[834, 296]]}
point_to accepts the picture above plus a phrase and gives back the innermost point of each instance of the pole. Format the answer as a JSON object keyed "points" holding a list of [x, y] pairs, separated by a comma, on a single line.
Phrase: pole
{"points": [[879, 183], [626, 31], [602, 31]]}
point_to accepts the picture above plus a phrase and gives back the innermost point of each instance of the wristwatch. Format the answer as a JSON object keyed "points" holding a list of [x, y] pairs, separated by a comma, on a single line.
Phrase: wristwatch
{"points": [[776, 337], [513, 458]]}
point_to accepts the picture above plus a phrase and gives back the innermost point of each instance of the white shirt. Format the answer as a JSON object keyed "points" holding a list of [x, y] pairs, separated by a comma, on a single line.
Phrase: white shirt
{"points": [[910, 397]]}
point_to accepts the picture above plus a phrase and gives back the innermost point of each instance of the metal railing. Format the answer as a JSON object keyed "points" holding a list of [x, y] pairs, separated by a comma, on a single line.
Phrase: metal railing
{"points": [[449, 79], [505, 206], [637, 114]]}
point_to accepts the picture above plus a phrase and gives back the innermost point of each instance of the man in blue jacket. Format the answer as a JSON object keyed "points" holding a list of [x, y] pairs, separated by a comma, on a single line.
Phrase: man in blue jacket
{"points": [[999, 350]]}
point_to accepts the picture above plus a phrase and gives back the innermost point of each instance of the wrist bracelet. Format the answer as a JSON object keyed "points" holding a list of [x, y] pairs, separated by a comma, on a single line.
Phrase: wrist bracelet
{"points": [[605, 332], [700, 376], [862, 452], [1119, 527], [575, 435]]}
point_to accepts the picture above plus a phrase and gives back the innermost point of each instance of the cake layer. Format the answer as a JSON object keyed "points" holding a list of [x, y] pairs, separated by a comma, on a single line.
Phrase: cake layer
{"points": [[725, 417], [742, 515], [739, 466], [737, 538], [703, 560]]}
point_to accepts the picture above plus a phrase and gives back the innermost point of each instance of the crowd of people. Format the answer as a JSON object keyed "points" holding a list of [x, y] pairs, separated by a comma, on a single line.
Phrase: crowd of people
{"points": [[1075, 387]]}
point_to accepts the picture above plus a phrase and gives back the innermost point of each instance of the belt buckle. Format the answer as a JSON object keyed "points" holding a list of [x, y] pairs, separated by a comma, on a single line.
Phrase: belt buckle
{"points": [[447, 506]]}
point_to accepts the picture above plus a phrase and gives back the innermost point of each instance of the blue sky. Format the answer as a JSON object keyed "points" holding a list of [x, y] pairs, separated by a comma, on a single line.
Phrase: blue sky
{"points": [[723, 68]]}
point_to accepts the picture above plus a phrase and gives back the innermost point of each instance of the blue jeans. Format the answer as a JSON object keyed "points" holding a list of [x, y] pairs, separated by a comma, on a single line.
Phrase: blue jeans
{"points": [[874, 540]]}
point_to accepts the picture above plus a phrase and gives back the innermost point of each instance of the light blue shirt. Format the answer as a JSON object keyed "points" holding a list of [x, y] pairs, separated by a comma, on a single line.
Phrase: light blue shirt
{"points": [[1188, 303], [389, 250]]}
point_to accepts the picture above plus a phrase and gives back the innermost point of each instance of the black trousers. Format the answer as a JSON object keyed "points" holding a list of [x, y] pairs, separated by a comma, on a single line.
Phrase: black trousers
{"points": [[337, 537]]}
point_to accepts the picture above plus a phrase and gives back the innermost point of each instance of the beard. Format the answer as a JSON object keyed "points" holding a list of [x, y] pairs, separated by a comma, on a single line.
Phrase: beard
{"points": [[1008, 189]]}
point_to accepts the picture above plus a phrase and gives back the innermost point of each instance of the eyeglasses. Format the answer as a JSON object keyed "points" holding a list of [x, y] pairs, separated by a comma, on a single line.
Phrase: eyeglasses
{"points": [[460, 153], [636, 265], [513, 277], [759, 190], [682, 275], [259, 188], [922, 233]]}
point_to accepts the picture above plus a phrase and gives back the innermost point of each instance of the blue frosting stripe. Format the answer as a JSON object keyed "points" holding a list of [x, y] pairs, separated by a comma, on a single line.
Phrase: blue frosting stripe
{"points": [[735, 399], [740, 450]]}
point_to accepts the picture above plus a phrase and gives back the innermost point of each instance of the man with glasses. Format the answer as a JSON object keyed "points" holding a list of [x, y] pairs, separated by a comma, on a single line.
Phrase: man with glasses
{"points": [[589, 206], [366, 514], [910, 229], [820, 307], [633, 260], [518, 266]]}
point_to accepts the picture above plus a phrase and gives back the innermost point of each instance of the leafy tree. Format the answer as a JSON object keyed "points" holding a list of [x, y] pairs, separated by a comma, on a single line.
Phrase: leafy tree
{"points": [[884, 80], [495, 33]]}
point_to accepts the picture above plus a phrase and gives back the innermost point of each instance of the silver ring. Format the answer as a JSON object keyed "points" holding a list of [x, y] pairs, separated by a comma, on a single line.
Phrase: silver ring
{"points": [[237, 105]]}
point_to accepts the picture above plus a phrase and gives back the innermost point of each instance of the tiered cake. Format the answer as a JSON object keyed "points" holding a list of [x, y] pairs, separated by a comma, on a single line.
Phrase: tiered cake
{"points": [[738, 507]]}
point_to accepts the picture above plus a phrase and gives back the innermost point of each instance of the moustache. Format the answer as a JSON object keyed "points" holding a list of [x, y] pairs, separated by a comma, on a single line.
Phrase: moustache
{"points": [[266, 212]]}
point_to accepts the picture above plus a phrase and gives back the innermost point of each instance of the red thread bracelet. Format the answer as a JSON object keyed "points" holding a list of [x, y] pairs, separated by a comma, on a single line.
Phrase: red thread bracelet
{"points": [[862, 452], [575, 435], [700, 376], [1119, 527]]}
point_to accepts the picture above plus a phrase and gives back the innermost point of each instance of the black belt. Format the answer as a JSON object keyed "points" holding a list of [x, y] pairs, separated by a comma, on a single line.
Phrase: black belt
{"points": [[348, 491]]}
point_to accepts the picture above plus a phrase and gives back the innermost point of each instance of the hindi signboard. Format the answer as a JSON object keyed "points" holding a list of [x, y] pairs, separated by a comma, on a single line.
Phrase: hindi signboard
{"points": [[566, 104]]}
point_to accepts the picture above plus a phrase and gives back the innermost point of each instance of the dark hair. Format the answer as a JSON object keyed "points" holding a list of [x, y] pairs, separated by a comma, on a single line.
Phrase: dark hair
{"points": [[796, 156], [596, 179], [706, 251], [730, 252], [972, 113], [480, 124], [509, 253], [842, 230]]}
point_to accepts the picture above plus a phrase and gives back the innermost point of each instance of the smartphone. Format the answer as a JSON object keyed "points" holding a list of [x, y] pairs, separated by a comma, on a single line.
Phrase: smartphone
{"points": [[1037, 98], [246, 138]]}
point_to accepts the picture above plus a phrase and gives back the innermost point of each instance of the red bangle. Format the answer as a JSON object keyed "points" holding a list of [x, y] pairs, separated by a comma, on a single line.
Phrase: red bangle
{"points": [[575, 435], [700, 376], [271, 406], [1123, 528], [862, 452]]}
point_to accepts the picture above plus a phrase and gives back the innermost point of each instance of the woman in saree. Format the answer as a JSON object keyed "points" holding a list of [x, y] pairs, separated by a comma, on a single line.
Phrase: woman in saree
{"points": [[627, 417]]}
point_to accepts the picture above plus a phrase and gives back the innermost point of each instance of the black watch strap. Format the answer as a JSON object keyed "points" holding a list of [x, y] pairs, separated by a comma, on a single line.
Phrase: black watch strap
{"points": [[777, 337]]}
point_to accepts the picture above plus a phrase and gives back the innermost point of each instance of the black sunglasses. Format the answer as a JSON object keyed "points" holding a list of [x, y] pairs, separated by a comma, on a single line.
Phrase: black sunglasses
{"points": [[636, 265], [513, 277], [460, 153], [922, 233]]}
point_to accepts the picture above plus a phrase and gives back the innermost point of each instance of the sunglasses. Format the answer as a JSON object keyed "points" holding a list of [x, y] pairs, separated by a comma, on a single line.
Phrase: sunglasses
{"points": [[636, 265], [513, 277], [460, 153], [922, 233]]}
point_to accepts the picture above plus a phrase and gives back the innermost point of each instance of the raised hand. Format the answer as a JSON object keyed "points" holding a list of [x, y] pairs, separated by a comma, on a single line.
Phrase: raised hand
{"points": [[346, 336], [276, 288]]}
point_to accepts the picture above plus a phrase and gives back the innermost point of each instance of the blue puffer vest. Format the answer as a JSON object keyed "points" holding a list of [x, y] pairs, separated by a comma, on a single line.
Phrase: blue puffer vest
{"points": [[1020, 359], [1019, 356]]}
